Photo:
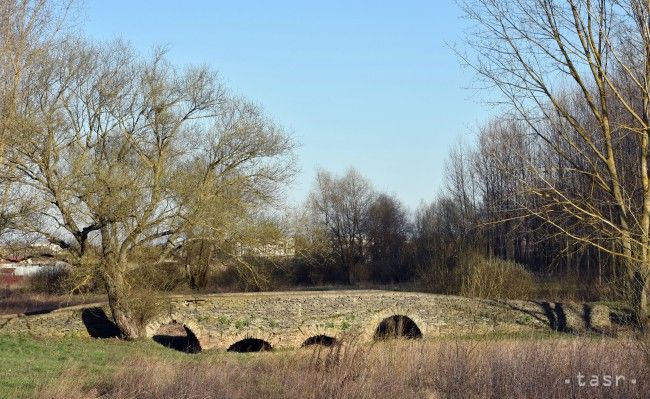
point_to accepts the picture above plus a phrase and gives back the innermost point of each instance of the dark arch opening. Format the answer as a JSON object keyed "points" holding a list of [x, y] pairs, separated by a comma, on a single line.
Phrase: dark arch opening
{"points": [[178, 337], [250, 345], [323, 340], [397, 326], [98, 324]]}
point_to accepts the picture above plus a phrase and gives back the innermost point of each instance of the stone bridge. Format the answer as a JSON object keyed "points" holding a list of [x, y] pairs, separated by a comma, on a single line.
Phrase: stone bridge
{"points": [[295, 319]]}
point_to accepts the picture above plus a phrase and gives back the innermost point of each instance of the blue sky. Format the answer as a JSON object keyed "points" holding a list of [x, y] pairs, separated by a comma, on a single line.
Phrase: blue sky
{"points": [[366, 84]]}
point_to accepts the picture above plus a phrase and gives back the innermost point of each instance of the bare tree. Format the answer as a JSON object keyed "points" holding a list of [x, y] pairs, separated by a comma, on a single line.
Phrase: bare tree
{"points": [[125, 152], [577, 74], [27, 29], [387, 230], [341, 204]]}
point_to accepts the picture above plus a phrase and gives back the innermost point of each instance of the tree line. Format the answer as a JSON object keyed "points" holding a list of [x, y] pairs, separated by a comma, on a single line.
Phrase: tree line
{"points": [[559, 181], [348, 233], [572, 144]]}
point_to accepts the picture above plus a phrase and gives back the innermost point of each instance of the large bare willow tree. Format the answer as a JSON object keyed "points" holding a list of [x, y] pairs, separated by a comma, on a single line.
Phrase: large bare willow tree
{"points": [[113, 153], [576, 75], [28, 28]]}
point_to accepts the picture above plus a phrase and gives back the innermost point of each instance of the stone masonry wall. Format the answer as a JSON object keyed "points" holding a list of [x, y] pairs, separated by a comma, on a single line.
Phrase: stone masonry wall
{"points": [[287, 319]]}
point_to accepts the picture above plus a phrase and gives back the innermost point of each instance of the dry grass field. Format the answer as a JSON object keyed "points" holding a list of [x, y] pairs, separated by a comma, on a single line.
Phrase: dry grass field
{"points": [[500, 367]]}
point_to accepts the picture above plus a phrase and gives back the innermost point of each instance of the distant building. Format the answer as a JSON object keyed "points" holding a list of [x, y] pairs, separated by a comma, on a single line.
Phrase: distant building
{"points": [[8, 278], [13, 273], [281, 248]]}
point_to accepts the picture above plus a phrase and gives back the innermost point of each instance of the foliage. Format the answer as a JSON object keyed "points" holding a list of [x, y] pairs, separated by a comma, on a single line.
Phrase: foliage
{"points": [[494, 278], [54, 280]]}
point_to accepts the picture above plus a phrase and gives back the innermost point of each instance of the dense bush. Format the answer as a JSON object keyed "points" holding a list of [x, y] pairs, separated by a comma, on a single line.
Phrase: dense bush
{"points": [[159, 277], [494, 278], [250, 274], [439, 279], [50, 280]]}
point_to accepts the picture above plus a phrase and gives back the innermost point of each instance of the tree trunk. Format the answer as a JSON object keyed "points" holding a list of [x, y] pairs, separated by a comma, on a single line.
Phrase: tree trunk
{"points": [[351, 274], [119, 304], [641, 286], [191, 276]]}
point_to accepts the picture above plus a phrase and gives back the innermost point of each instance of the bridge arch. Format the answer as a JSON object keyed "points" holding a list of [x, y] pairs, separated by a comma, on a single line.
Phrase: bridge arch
{"points": [[253, 340], [320, 339], [393, 323], [250, 345], [196, 336], [314, 331], [397, 326]]}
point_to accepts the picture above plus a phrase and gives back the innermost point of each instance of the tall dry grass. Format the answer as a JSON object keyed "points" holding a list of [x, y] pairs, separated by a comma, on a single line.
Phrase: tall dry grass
{"points": [[397, 369]]}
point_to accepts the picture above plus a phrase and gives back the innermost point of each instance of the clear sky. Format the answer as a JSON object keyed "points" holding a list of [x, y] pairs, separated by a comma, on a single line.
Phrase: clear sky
{"points": [[358, 83]]}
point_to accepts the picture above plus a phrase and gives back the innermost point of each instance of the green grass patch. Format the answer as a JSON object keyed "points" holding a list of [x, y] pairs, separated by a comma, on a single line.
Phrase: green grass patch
{"points": [[28, 363]]}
